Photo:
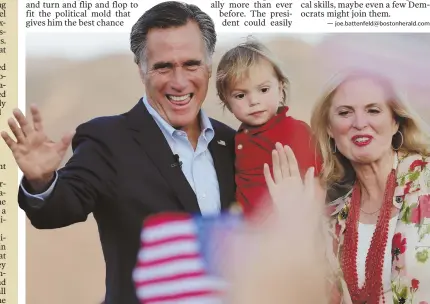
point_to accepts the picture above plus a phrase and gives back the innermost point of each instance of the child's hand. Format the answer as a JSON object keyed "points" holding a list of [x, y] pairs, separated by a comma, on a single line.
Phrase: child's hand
{"points": [[287, 186], [300, 202]]}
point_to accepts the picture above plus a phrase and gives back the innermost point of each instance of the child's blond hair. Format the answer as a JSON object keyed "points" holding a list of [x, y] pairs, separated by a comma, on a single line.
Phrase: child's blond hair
{"points": [[234, 66]]}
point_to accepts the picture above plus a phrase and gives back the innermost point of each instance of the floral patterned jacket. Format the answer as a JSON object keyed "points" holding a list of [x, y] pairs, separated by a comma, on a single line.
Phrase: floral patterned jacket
{"points": [[410, 276]]}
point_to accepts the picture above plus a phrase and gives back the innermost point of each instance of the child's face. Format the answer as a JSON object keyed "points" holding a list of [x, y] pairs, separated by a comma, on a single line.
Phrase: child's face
{"points": [[256, 98]]}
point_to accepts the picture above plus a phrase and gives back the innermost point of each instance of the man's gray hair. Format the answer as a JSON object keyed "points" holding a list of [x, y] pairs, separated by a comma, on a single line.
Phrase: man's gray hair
{"points": [[167, 15]]}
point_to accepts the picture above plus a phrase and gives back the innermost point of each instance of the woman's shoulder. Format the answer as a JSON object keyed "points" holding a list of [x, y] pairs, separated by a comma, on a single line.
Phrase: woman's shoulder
{"points": [[413, 173], [412, 164], [411, 157]]}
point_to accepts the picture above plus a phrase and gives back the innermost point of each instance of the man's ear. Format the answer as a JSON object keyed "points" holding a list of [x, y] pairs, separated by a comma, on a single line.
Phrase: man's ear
{"points": [[141, 73]]}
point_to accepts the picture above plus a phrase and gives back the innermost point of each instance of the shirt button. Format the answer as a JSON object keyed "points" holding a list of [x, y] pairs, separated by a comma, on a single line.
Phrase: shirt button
{"points": [[203, 195], [246, 131], [239, 147]]}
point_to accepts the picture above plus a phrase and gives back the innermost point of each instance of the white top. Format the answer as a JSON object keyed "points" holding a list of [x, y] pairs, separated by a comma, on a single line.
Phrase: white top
{"points": [[365, 234]]}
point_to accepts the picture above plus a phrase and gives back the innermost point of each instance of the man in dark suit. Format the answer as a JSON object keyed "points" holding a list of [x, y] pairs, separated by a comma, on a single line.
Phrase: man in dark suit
{"points": [[165, 154]]}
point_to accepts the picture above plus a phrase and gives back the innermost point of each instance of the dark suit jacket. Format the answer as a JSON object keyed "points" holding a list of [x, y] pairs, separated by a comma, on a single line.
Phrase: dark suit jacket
{"points": [[121, 171]]}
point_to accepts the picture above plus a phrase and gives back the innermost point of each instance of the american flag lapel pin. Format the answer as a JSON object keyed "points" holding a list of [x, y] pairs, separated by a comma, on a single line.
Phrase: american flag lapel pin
{"points": [[221, 142]]}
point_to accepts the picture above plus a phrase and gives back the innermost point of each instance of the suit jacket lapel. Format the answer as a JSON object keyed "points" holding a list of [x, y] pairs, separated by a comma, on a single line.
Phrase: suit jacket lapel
{"points": [[152, 141], [224, 169]]}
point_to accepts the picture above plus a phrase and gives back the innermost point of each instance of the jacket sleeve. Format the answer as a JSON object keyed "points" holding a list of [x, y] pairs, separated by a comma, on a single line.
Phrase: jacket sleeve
{"points": [[38, 199]]}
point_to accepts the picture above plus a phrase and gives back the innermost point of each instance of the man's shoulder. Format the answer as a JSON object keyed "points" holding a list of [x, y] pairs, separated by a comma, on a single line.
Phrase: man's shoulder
{"points": [[105, 130], [222, 128], [111, 122], [102, 124]]}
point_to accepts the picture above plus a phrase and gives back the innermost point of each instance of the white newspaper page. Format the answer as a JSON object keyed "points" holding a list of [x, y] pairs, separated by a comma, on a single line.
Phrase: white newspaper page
{"points": [[101, 129]]}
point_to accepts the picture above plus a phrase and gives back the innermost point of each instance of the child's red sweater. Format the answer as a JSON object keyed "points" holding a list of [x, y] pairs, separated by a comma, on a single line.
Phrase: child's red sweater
{"points": [[254, 146]]}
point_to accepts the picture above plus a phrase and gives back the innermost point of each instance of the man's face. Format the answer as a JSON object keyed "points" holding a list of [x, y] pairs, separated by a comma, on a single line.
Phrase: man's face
{"points": [[177, 74]]}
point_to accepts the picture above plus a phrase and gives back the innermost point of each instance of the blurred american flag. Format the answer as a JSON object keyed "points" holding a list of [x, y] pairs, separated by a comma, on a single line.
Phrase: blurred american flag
{"points": [[179, 256]]}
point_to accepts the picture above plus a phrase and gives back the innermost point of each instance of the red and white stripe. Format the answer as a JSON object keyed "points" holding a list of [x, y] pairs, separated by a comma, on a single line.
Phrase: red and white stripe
{"points": [[170, 268]]}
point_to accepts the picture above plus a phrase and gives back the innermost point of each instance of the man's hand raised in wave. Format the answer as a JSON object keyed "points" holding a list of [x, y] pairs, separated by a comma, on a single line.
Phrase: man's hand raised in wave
{"points": [[37, 156]]}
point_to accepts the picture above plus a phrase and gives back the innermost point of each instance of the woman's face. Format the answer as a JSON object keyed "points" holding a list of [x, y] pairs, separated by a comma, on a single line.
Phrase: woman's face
{"points": [[361, 121]]}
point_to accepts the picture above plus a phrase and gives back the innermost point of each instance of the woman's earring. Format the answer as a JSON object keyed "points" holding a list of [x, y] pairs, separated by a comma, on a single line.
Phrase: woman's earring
{"points": [[401, 143], [329, 144]]}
